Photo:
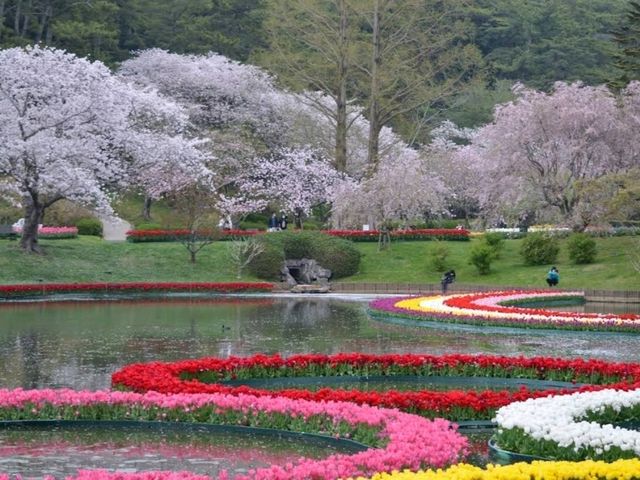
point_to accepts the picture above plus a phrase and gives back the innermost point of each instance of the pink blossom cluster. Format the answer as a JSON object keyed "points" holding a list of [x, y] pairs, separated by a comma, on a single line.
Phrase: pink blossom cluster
{"points": [[52, 230], [412, 442]]}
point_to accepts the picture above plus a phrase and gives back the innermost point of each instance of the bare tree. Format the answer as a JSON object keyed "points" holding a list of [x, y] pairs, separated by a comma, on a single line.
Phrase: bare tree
{"points": [[196, 205], [242, 252], [313, 44], [420, 53]]}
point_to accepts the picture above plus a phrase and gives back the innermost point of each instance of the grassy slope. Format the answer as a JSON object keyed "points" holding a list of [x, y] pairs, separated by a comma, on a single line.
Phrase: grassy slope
{"points": [[90, 259]]}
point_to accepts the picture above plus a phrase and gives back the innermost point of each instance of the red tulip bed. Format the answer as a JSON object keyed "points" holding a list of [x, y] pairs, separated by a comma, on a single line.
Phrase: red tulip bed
{"points": [[204, 376], [44, 289], [174, 235]]}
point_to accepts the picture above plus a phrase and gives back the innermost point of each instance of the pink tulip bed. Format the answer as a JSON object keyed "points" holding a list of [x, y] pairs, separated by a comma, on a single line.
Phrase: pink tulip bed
{"points": [[503, 309], [398, 440], [53, 233]]}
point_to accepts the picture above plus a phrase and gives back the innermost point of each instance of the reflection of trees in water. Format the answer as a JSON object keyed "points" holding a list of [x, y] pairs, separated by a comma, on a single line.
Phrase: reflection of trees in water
{"points": [[309, 315], [28, 346]]}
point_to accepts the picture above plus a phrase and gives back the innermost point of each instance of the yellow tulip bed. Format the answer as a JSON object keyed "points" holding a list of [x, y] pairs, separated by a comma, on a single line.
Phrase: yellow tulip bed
{"points": [[539, 470]]}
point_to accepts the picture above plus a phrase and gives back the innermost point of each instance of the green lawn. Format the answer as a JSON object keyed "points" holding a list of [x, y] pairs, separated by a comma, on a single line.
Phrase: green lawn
{"points": [[91, 259]]}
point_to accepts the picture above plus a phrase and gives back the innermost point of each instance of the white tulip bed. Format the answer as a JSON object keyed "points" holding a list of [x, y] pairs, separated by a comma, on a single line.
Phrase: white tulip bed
{"points": [[578, 426]]}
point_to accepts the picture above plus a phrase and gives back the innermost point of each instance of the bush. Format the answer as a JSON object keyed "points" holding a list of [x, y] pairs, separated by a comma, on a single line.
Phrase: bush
{"points": [[89, 226], [339, 256], [481, 255], [495, 241], [268, 263], [539, 249], [148, 226], [582, 248], [439, 255]]}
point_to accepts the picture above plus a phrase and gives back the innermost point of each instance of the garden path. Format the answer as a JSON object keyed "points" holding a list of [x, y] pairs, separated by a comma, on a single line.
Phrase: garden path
{"points": [[115, 229]]}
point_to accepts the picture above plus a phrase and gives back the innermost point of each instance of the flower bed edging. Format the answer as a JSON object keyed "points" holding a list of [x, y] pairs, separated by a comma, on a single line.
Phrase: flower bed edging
{"points": [[183, 377], [572, 427], [537, 470], [43, 289], [500, 309], [405, 441]]}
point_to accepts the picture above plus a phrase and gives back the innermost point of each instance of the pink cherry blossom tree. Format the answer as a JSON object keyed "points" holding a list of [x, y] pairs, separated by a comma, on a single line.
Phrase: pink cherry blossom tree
{"points": [[71, 130], [540, 145], [404, 187]]}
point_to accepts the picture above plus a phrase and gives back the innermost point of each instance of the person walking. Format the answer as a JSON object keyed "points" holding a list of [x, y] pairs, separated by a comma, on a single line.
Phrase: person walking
{"points": [[447, 279]]}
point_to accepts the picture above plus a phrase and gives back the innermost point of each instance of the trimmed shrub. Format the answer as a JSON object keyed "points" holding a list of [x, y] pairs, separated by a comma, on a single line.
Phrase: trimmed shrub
{"points": [[481, 255], [539, 249], [439, 254], [495, 241], [268, 263], [339, 256], [89, 226], [582, 248]]}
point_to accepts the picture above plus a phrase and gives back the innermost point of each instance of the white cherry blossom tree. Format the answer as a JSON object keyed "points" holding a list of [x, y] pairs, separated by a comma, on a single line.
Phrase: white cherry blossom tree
{"points": [[70, 129]]}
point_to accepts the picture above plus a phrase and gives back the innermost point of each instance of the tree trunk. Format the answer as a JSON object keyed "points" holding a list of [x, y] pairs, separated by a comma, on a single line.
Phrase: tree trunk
{"points": [[146, 208], [44, 22], [34, 212], [16, 18], [192, 256], [374, 127], [25, 22], [341, 98], [2, 3]]}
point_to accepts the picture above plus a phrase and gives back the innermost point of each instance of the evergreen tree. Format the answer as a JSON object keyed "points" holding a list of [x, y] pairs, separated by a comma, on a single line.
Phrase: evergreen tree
{"points": [[627, 60]]}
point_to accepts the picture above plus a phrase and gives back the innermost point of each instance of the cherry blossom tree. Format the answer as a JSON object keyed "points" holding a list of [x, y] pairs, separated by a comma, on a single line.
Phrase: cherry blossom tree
{"points": [[67, 128], [217, 92], [540, 145], [294, 180], [403, 187]]}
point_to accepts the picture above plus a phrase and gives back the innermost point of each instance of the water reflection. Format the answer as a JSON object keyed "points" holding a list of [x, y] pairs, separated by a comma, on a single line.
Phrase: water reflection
{"points": [[60, 451], [79, 344]]}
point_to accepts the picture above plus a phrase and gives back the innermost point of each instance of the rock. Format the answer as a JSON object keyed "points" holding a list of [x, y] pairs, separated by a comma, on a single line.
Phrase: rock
{"points": [[305, 271], [286, 277], [302, 288]]}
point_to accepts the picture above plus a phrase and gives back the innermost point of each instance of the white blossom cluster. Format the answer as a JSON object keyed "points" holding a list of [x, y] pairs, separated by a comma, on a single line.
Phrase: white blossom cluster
{"points": [[560, 419]]}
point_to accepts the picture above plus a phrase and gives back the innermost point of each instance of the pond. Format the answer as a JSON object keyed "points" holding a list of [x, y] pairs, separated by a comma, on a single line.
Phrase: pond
{"points": [[78, 344]]}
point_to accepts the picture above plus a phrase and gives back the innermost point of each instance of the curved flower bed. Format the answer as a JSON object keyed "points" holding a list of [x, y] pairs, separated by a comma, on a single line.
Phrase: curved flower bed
{"points": [[43, 289], [572, 427], [190, 376], [501, 308], [587, 470], [400, 440]]}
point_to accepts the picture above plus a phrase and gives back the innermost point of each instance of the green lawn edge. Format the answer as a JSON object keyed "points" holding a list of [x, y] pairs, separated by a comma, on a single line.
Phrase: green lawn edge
{"points": [[91, 259]]}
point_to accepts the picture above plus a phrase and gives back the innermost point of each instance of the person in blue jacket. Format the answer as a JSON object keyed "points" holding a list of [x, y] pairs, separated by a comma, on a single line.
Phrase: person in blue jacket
{"points": [[553, 277], [274, 224]]}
